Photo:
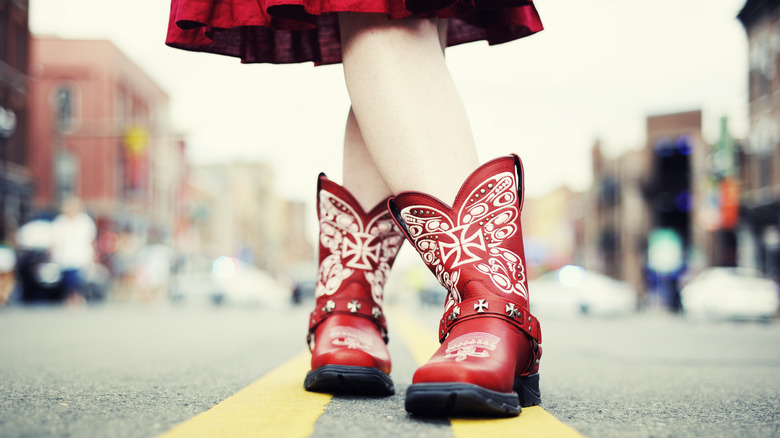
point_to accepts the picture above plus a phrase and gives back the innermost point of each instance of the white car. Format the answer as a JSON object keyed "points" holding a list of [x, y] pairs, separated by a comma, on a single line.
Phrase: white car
{"points": [[228, 281], [240, 283], [573, 290], [725, 293]]}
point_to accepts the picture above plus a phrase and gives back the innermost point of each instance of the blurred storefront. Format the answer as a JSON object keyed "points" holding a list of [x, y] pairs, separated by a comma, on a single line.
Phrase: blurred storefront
{"points": [[15, 181]]}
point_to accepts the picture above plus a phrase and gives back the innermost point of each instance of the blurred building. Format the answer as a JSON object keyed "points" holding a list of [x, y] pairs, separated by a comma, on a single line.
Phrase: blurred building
{"points": [[15, 181], [99, 129], [233, 210], [640, 224], [759, 231], [617, 217], [553, 227]]}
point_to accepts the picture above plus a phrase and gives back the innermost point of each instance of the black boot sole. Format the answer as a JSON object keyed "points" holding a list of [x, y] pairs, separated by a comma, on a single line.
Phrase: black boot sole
{"points": [[349, 380], [459, 400], [468, 400]]}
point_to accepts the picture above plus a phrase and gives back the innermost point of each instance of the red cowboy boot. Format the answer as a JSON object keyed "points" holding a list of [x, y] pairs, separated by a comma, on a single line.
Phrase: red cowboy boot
{"points": [[488, 360], [347, 329]]}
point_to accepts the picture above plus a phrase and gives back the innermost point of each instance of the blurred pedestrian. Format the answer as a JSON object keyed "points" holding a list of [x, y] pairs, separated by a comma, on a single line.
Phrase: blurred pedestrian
{"points": [[73, 248], [410, 170]]}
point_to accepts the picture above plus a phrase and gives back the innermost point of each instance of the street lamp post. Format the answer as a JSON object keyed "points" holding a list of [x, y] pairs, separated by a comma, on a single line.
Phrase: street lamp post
{"points": [[7, 128]]}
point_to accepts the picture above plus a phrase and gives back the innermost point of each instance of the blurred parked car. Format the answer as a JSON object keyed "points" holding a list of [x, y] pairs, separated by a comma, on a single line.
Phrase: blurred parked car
{"points": [[726, 293], [39, 277], [572, 290], [229, 281]]}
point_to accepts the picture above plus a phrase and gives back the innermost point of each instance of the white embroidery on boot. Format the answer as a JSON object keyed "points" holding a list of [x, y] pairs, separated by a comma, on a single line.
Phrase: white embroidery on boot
{"points": [[477, 344], [351, 338], [354, 245], [487, 219]]}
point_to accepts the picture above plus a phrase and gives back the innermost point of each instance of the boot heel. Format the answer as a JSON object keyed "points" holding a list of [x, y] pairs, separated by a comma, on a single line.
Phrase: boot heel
{"points": [[527, 389]]}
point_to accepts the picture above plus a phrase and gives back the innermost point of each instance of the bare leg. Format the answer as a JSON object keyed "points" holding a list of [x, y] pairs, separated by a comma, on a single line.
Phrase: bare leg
{"points": [[361, 177], [411, 118]]}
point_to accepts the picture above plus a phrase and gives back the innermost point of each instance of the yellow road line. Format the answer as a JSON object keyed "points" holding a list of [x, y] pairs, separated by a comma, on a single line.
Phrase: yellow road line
{"points": [[276, 405], [532, 422]]}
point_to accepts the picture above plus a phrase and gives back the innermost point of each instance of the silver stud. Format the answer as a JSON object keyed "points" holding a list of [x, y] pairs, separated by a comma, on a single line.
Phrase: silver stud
{"points": [[490, 186], [376, 312], [481, 306], [329, 306], [482, 191], [454, 314], [530, 329], [353, 306], [537, 361], [511, 310]]}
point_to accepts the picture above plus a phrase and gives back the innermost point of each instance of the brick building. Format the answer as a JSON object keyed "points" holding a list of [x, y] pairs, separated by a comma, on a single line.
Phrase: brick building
{"points": [[759, 230], [15, 181], [99, 130]]}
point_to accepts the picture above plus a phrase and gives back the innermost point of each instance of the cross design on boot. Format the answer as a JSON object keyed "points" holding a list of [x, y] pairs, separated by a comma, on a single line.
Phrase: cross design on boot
{"points": [[462, 245], [329, 306], [353, 306], [361, 250], [481, 306], [376, 312], [511, 310]]}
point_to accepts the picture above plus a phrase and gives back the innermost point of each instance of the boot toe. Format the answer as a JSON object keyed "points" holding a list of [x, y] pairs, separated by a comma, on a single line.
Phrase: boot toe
{"points": [[350, 357], [449, 372]]}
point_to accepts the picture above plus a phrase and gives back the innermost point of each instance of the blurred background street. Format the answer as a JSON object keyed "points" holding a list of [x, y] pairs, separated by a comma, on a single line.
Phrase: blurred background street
{"points": [[650, 159], [157, 254]]}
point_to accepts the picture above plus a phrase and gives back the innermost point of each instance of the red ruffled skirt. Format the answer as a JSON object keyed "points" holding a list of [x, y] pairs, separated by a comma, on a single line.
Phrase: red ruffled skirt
{"points": [[291, 31]]}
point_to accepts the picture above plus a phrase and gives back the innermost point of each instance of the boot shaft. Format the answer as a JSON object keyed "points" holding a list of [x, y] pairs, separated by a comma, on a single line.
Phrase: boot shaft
{"points": [[357, 249], [475, 248], [354, 245]]}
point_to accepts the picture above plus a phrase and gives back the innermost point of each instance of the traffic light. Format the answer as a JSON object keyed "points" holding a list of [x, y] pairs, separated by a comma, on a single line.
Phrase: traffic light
{"points": [[671, 196]]}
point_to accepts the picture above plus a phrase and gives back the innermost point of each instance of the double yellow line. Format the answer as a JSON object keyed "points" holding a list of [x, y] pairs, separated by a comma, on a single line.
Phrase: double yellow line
{"points": [[277, 405]]}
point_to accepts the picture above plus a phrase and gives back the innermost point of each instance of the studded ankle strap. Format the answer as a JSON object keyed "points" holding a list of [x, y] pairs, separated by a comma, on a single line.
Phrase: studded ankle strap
{"points": [[360, 307], [490, 307]]}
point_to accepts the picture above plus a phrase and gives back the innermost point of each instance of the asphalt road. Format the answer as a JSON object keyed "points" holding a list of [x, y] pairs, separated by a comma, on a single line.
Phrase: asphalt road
{"points": [[137, 371]]}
